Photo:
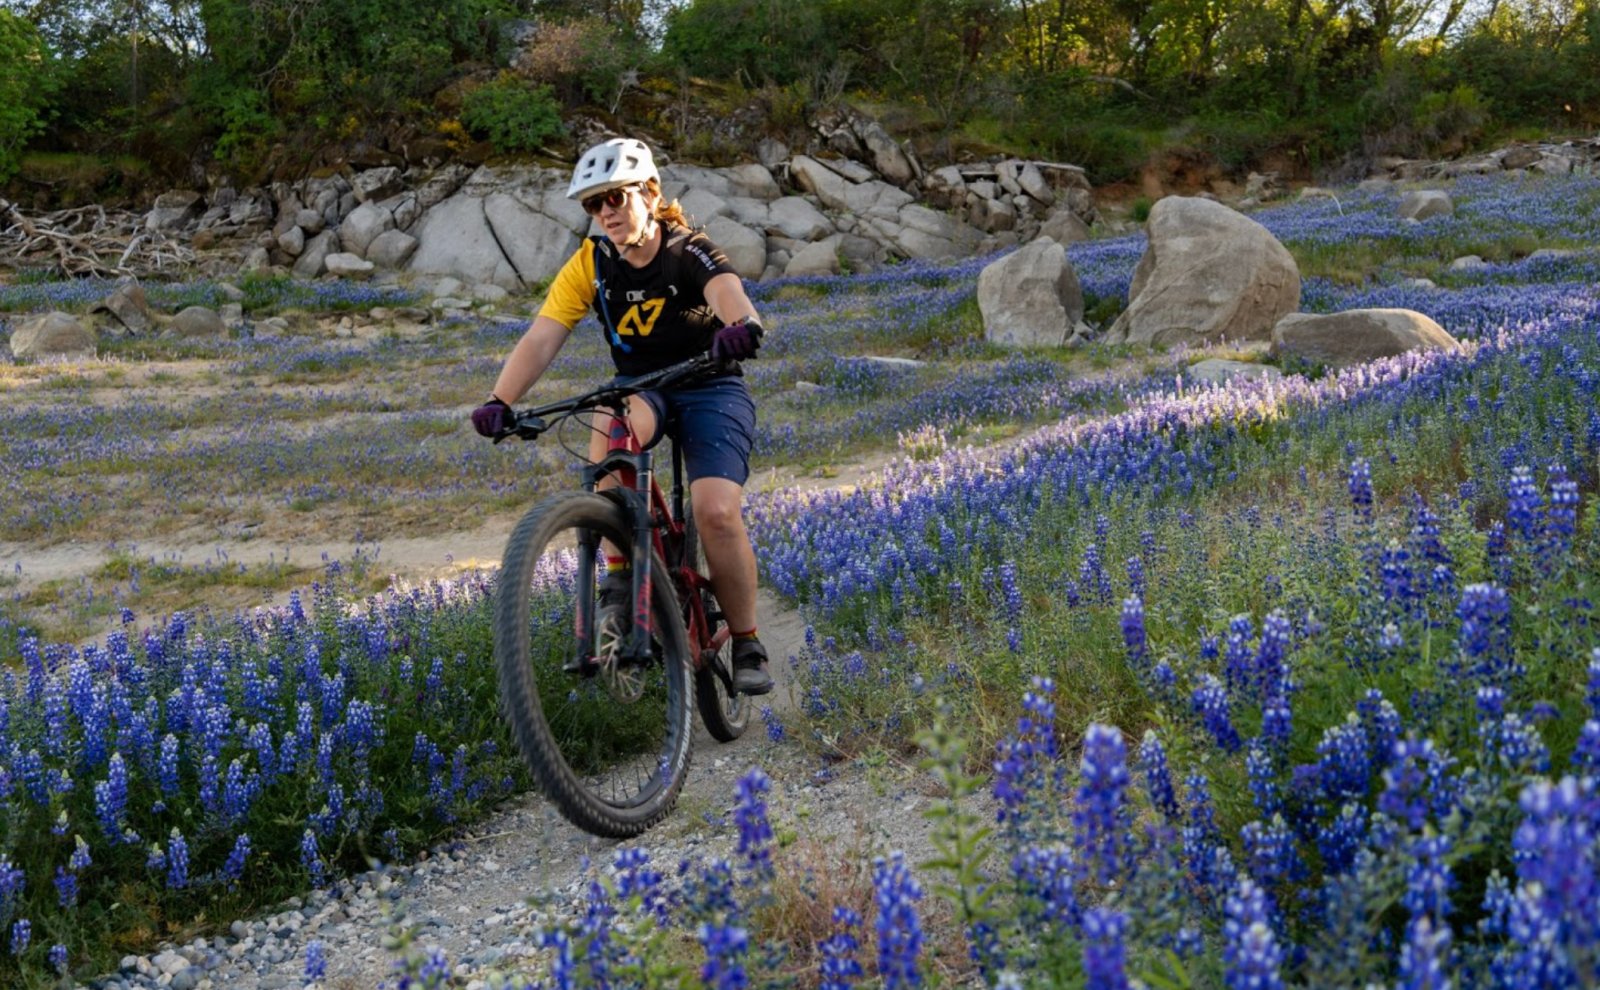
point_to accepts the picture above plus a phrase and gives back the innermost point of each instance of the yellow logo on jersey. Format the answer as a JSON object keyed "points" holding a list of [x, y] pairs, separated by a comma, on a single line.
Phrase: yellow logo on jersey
{"points": [[641, 318]]}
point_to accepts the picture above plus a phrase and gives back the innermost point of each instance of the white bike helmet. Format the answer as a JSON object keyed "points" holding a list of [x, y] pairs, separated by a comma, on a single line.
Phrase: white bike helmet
{"points": [[611, 165]]}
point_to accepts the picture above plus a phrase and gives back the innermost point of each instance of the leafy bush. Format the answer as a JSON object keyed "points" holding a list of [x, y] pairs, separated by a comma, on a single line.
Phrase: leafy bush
{"points": [[512, 115], [23, 94]]}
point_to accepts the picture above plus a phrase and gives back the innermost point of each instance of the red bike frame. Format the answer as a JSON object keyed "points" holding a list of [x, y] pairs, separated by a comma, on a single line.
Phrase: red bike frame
{"points": [[659, 528]]}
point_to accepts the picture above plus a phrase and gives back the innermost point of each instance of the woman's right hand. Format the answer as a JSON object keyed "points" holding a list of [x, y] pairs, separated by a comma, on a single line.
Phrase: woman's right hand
{"points": [[492, 418]]}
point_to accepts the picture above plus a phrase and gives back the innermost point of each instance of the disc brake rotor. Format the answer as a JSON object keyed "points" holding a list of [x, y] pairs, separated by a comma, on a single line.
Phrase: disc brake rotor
{"points": [[623, 680]]}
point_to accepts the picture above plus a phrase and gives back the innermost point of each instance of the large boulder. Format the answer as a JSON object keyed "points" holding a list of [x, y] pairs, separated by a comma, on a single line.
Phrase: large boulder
{"points": [[175, 209], [1031, 297], [746, 249], [794, 216], [455, 238], [535, 243], [1209, 274], [391, 249], [1420, 204], [197, 321], [54, 334], [817, 258], [345, 265], [376, 183], [127, 303], [887, 156], [1064, 226], [364, 223], [1356, 336], [313, 258]]}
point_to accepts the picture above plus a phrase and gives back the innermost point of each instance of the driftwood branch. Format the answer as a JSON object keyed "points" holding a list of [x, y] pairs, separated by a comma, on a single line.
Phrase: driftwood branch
{"points": [[87, 241]]}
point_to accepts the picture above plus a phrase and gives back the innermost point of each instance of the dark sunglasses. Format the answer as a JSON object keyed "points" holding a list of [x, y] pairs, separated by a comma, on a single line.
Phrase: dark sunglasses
{"points": [[613, 198]]}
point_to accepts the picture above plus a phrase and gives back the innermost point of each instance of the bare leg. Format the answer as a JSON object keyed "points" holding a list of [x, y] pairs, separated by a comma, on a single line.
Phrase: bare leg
{"points": [[717, 504], [643, 419]]}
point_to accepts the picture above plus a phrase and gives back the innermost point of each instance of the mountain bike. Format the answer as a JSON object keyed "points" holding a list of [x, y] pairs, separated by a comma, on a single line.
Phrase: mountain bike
{"points": [[598, 698]]}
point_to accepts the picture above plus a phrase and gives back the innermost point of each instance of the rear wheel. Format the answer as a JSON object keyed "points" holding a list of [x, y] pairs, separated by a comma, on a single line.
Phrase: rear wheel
{"points": [[726, 713], [609, 744]]}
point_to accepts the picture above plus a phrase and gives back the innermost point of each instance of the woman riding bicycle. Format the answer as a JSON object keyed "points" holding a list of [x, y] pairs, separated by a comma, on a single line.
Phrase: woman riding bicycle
{"points": [[663, 292]]}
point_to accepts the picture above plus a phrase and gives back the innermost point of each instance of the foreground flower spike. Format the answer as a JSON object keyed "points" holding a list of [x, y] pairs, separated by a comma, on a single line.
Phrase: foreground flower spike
{"points": [[1104, 955], [1251, 954], [1100, 817], [899, 928], [839, 969], [750, 814]]}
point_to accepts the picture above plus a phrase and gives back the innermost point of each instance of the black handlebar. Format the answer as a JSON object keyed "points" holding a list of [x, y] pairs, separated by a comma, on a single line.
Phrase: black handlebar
{"points": [[530, 423]]}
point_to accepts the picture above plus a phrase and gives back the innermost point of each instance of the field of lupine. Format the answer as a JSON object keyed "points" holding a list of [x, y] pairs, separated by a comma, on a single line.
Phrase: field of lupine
{"points": [[1271, 684]]}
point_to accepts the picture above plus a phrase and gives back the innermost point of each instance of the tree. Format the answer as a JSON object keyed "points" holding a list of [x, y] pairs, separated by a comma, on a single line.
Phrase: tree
{"points": [[27, 80]]}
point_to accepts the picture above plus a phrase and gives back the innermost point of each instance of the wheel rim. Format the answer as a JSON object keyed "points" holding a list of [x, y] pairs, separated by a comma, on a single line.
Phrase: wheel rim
{"points": [[611, 726]]}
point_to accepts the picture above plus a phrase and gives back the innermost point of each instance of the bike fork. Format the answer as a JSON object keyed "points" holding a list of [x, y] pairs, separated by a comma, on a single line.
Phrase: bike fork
{"points": [[583, 622], [639, 636]]}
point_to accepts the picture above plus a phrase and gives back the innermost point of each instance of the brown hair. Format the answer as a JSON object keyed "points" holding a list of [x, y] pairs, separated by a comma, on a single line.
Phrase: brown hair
{"points": [[670, 212]]}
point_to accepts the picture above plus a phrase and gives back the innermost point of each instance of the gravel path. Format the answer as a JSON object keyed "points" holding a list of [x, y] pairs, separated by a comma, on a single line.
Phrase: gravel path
{"points": [[481, 896]]}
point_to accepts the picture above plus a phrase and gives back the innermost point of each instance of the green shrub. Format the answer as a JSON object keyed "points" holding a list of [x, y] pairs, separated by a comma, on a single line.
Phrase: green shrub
{"points": [[24, 93], [512, 115]]}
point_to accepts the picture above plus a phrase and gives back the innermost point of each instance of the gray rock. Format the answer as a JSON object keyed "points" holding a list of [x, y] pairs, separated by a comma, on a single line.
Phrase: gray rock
{"points": [[746, 249], [1208, 274], [312, 260], [1032, 183], [887, 156], [174, 209], [53, 334], [1420, 204], [794, 216], [1221, 369], [198, 321], [346, 265], [363, 224], [817, 258], [1064, 227], [309, 221], [1467, 263], [376, 183], [292, 241], [391, 249], [1356, 336], [1031, 297], [127, 303], [488, 292]]}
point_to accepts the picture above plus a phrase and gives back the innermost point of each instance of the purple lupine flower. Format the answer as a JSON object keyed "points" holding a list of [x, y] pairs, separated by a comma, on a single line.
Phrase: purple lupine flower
{"points": [[316, 961], [1046, 874], [1344, 763], [1497, 550], [1561, 519], [1522, 507], [1430, 879], [839, 968], [1592, 696], [1237, 659], [1269, 850], [774, 724], [1485, 637], [1586, 754], [1136, 576], [233, 869], [311, 858], [1133, 635], [1396, 578], [725, 947], [21, 935], [1558, 896], [1158, 776], [1011, 593], [898, 927], [1360, 487], [635, 878], [1210, 702], [66, 888], [1340, 840], [1100, 816], [58, 958], [80, 859], [1251, 954], [1382, 723], [750, 814], [1263, 774], [1425, 956], [177, 861], [111, 798], [1104, 955], [168, 767]]}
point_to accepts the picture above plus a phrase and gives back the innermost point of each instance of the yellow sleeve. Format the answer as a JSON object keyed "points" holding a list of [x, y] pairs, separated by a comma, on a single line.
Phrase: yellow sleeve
{"points": [[572, 292]]}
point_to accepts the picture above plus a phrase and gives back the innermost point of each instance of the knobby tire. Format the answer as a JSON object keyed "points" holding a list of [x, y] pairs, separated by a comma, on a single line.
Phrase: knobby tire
{"points": [[553, 525]]}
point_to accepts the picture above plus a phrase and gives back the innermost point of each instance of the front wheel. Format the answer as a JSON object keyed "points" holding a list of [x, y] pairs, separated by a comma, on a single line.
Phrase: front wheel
{"points": [[607, 736]]}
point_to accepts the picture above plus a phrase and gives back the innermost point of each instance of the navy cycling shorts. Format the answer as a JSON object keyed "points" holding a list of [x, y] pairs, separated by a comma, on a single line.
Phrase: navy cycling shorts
{"points": [[714, 423]]}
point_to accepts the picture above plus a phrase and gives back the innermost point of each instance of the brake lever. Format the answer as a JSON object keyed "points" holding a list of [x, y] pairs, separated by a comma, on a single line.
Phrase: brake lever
{"points": [[526, 428]]}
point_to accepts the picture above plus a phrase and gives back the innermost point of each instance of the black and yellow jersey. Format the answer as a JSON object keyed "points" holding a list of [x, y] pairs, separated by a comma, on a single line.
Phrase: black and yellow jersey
{"points": [[659, 312]]}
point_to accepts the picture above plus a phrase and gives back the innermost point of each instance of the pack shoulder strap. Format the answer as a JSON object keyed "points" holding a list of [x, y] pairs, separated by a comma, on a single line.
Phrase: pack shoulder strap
{"points": [[600, 294]]}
